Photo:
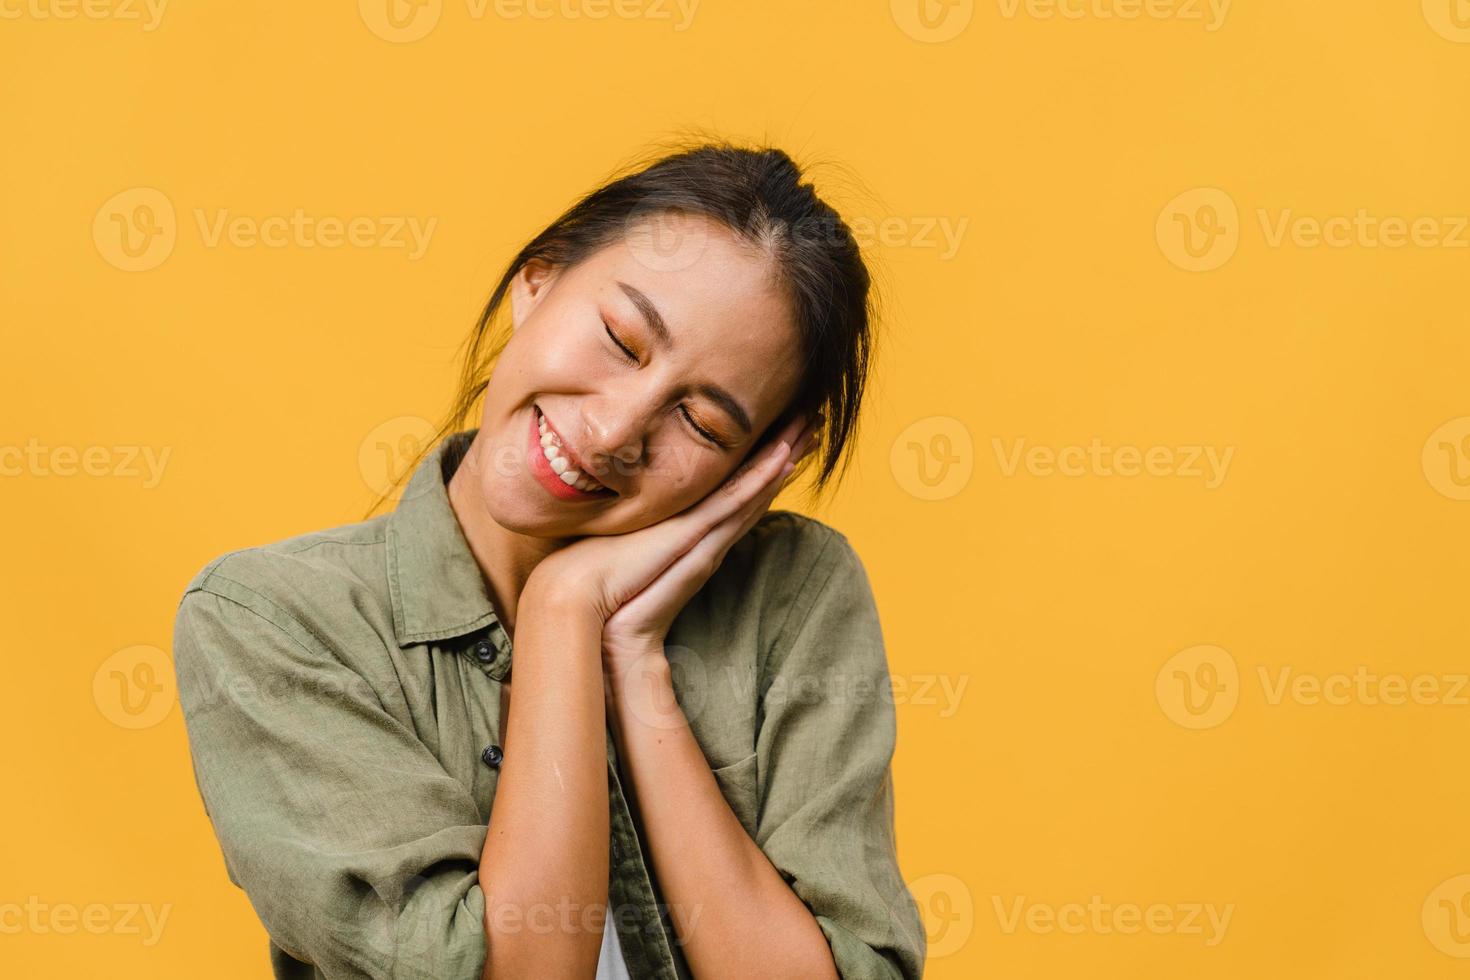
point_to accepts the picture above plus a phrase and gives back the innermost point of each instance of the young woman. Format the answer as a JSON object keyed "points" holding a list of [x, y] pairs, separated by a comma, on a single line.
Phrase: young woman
{"points": [[693, 774]]}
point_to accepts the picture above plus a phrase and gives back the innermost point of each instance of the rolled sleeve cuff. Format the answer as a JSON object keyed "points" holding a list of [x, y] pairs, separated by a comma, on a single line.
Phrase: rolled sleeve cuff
{"points": [[855, 959], [440, 933]]}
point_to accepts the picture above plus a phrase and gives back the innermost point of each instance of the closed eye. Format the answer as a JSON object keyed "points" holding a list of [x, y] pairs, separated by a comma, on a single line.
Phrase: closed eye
{"points": [[700, 430], [706, 434], [621, 346]]}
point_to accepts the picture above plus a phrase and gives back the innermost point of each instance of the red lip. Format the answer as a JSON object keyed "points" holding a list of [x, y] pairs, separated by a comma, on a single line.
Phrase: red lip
{"points": [[566, 446], [541, 468]]}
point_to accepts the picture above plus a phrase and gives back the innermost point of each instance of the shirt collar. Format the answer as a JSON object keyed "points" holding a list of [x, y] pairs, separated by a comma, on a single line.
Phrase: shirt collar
{"points": [[436, 586]]}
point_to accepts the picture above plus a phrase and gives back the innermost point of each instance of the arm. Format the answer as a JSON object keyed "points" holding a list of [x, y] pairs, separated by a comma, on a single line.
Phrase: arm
{"points": [[721, 889], [825, 821], [545, 859], [826, 787], [356, 848]]}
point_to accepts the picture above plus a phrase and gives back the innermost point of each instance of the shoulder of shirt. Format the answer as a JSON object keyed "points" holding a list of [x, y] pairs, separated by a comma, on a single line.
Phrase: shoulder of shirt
{"points": [[795, 544], [329, 563], [783, 562]]}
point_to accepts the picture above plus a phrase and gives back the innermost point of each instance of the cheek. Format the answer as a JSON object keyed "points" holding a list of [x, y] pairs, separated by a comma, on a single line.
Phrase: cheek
{"points": [[561, 337], [681, 483], [538, 351]]}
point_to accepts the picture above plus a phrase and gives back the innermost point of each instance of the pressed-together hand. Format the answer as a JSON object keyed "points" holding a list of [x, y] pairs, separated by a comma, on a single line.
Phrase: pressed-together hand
{"points": [[639, 581]]}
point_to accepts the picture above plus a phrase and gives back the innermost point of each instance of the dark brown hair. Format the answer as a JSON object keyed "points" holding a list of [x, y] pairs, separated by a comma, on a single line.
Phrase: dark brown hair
{"points": [[761, 194]]}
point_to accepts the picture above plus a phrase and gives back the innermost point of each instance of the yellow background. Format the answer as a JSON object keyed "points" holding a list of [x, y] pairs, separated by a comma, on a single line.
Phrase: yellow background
{"points": [[1074, 609]]}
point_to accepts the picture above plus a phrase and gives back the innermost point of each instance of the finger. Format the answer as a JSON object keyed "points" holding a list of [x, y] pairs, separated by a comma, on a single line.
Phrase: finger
{"points": [[799, 434], [783, 477], [745, 484], [688, 572], [730, 528], [788, 438], [663, 544], [757, 508], [678, 534]]}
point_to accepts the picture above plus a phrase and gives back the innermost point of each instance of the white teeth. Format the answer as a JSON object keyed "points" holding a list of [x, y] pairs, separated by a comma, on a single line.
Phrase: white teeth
{"points": [[568, 474]]}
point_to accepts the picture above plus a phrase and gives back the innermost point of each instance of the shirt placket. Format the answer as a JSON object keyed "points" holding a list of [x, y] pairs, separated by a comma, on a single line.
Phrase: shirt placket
{"points": [[645, 941], [631, 884]]}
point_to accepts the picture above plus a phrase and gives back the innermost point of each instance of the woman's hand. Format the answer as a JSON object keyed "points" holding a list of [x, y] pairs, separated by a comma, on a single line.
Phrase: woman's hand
{"points": [[641, 623], [640, 581]]}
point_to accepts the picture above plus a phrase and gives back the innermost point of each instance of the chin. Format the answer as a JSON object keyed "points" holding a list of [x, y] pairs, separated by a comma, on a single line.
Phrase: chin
{"points": [[518, 505]]}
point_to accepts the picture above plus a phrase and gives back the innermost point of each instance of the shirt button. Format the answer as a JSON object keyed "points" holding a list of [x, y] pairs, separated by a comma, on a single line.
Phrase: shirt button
{"points": [[492, 756], [484, 651]]}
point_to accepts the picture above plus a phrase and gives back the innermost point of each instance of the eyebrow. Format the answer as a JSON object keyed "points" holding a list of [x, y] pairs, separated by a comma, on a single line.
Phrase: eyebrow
{"points": [[665, 340]]}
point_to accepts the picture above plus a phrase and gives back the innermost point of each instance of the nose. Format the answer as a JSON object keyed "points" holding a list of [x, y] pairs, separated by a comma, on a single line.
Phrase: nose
{"points": [[614, 427]]}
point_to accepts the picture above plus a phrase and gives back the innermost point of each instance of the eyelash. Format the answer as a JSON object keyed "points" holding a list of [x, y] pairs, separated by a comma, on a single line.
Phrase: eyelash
{"points": [[709, 436]]}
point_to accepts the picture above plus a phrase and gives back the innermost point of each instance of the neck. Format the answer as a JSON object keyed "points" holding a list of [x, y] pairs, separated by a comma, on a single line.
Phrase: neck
{"points": [[506, 558]]}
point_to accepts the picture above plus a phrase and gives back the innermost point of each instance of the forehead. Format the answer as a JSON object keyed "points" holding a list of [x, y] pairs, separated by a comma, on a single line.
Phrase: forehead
{"points": [[729, 318]]}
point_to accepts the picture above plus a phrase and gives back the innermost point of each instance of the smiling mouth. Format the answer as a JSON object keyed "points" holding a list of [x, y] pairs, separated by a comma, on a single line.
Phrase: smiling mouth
{"points": [[563, 465]]}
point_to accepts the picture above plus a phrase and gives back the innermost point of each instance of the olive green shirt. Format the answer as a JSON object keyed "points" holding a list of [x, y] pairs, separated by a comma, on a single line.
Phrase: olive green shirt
{"points": [[341, 692]]}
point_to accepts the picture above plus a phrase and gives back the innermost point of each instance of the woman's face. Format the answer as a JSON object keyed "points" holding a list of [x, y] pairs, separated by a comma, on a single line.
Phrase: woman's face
{"points": [[656, 363]]}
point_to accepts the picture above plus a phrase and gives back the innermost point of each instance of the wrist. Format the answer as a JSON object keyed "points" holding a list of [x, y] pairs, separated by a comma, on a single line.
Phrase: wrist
{"points": [[625, 662], [562, 591], [641, 691]]}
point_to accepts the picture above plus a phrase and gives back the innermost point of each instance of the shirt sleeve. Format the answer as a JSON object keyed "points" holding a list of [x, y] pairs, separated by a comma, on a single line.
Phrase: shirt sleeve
{"points": [[358, 851], [824, 751]]}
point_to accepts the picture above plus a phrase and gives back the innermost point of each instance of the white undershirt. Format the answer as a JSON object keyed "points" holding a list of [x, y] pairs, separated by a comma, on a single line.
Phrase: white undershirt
{"points": [[610, 965]]}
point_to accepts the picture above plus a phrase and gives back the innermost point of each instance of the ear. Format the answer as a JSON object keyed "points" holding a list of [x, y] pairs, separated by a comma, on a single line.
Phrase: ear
{"points": [[530, 284]]}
